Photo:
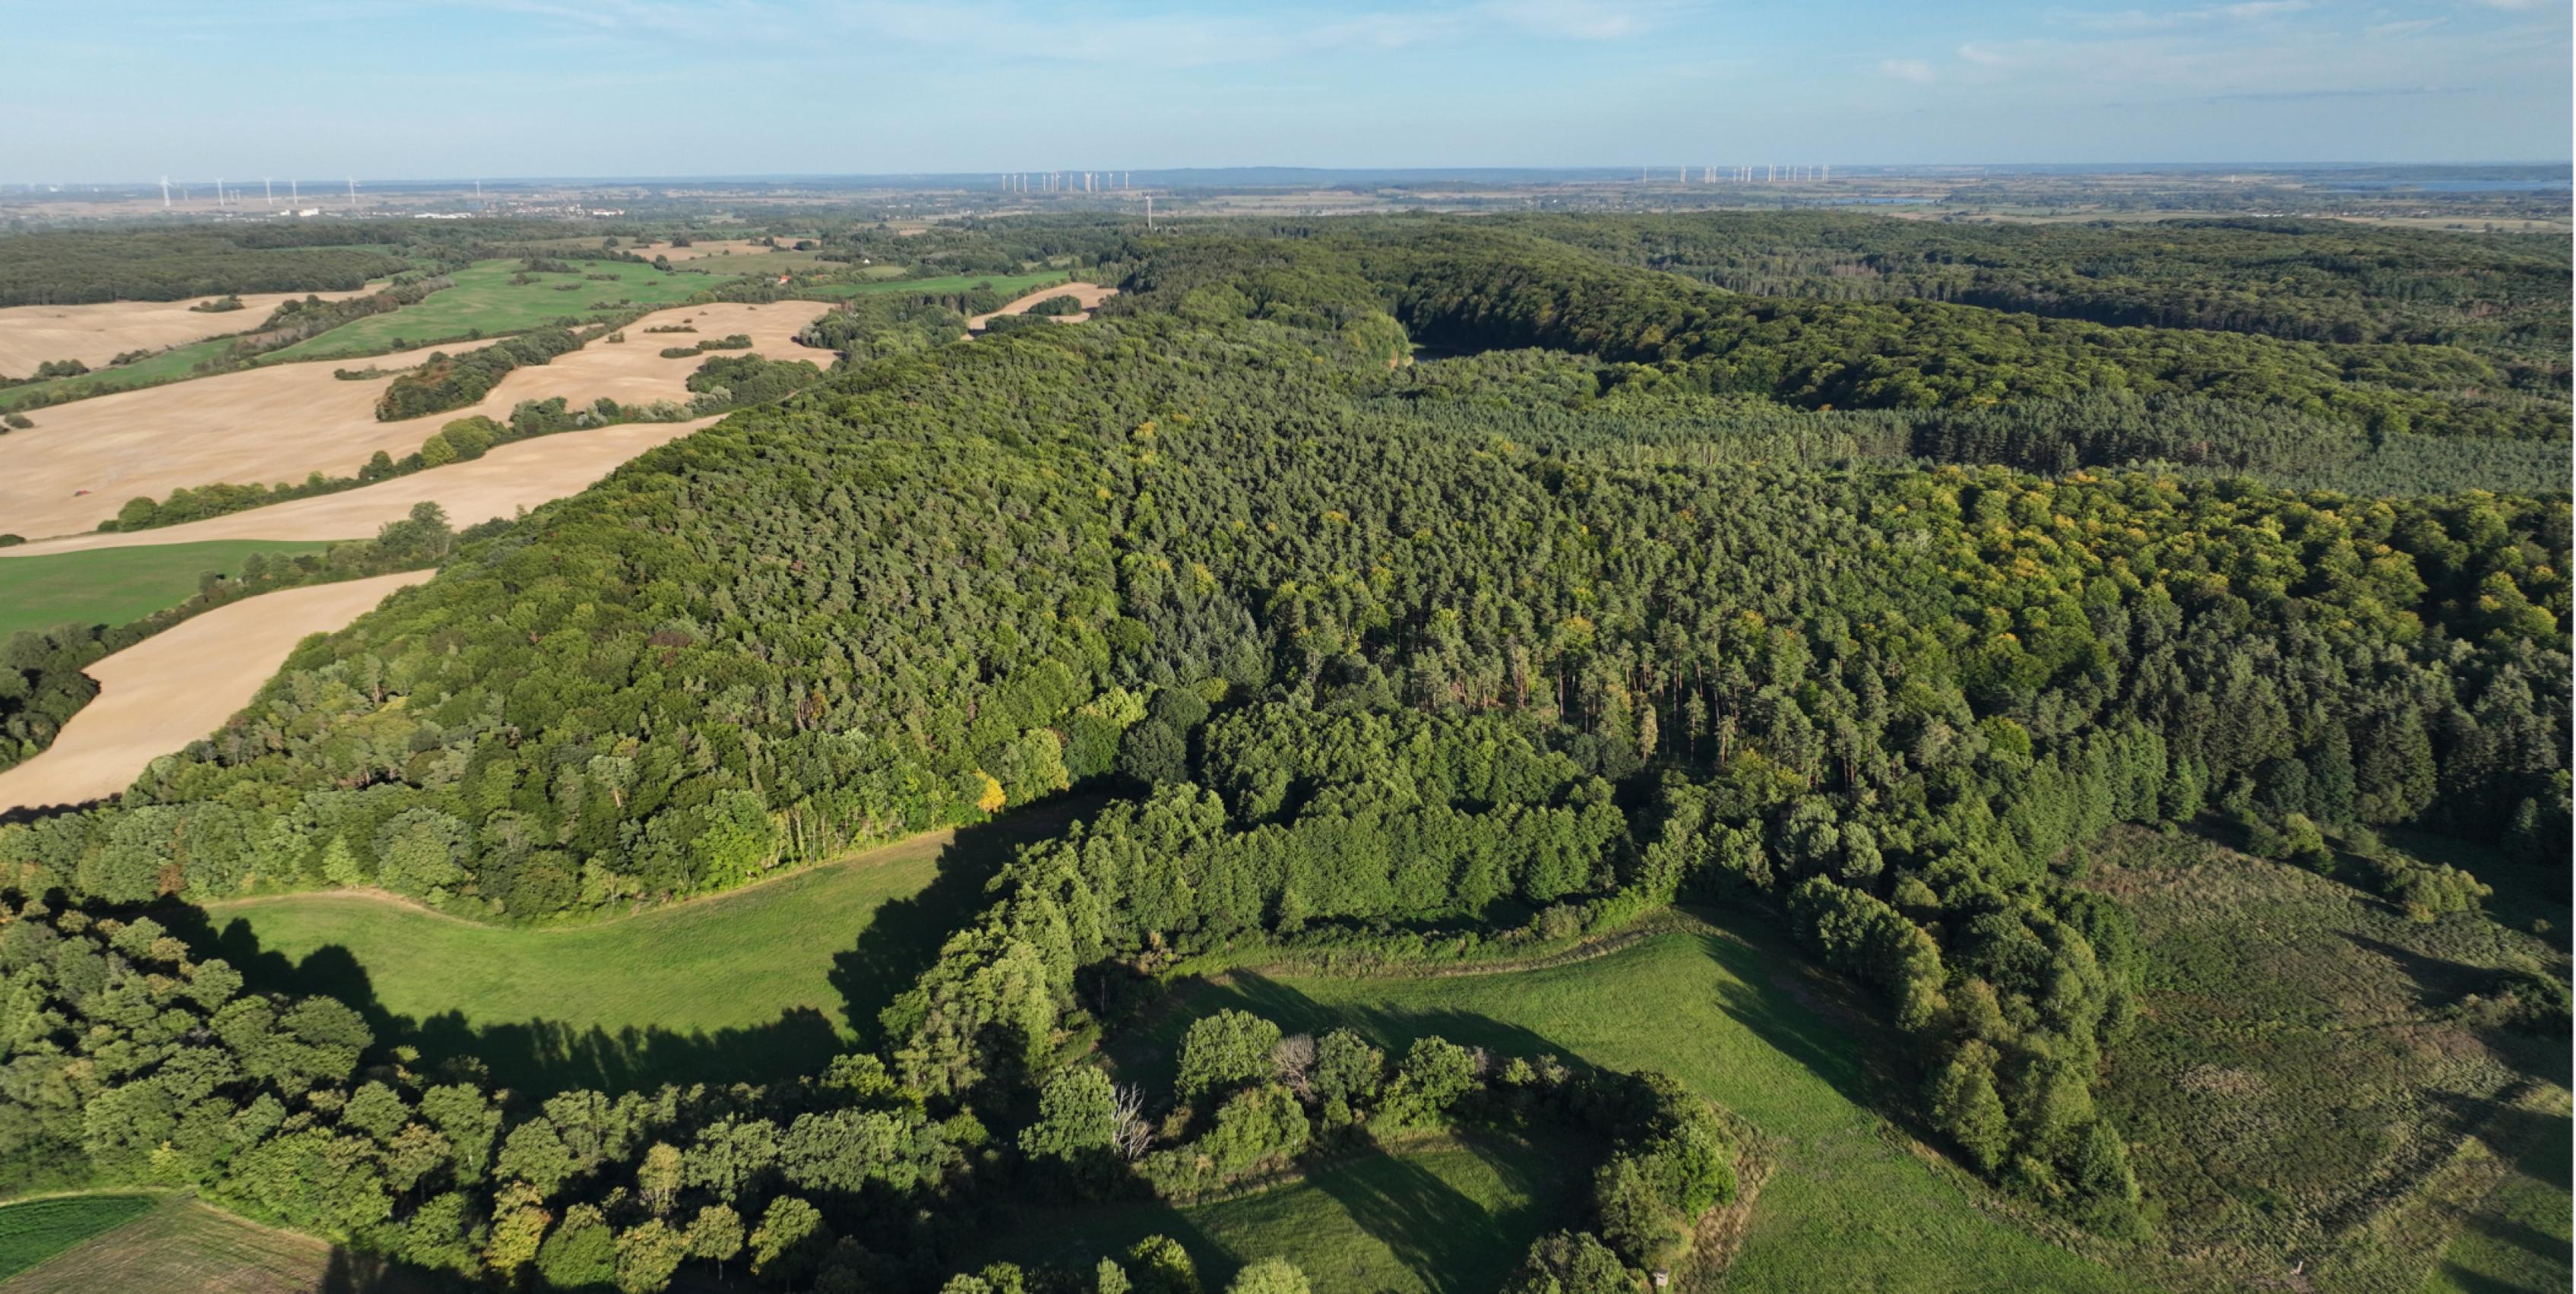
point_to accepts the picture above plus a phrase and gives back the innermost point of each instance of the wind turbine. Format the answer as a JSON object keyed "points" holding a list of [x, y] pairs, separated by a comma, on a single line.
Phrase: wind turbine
{"points": [[165, 193], [268, 189]]}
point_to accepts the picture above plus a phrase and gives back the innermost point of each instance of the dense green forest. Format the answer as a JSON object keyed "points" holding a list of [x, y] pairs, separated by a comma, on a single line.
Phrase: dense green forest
{"points": [[1606, 601], [76, 268]]}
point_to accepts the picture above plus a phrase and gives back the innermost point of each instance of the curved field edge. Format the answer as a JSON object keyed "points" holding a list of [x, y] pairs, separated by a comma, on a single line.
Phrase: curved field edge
{"points": [[1739, 1017], [33, 1231], [179, 1243], [768, 980]]}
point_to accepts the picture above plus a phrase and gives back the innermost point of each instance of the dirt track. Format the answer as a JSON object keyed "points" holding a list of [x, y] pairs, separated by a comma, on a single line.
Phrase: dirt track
{"points": [[1089, 294], [177, 686], [282, 422], [515, 476], [95, 334]]}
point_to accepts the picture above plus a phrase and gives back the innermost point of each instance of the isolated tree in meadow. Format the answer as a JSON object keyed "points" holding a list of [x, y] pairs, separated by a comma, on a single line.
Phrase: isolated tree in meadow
{"points": [[1159, 1265], [1269, 1276], [1570, 1262]]}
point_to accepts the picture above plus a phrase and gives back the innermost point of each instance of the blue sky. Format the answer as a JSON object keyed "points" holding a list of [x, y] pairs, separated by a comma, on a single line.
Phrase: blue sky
{"points": [[423, 88]]}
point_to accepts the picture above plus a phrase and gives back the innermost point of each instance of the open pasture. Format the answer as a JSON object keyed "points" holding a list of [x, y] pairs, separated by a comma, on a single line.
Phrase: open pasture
{"points": [[2300, 1087], [95, 334], [760, 983], [1734, 1012], [181, 684], [1452, 1217], [485, 301], [111, 588], [281, 422]]}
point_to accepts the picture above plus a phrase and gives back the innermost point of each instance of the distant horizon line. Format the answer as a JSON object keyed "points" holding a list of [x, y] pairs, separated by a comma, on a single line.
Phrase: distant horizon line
{"points": [[1612, 172]]}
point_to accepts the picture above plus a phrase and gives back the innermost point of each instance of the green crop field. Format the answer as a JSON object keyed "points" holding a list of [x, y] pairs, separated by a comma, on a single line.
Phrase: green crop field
{"points": [[110, 586], [179, 1244], [485, 300], [36, 1230], [769, 981], [1006, 284], [1451, 1218], [2298, 1082]]}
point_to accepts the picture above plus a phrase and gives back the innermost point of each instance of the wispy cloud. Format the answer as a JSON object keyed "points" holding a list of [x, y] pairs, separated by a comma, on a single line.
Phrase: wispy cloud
{"points": [[2338, 92], [1912, 70], [2145, 20]]}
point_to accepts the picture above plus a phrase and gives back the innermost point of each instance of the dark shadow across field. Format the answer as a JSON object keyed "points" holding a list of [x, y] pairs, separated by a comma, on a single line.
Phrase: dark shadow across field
{"points": [[542, 1056]]}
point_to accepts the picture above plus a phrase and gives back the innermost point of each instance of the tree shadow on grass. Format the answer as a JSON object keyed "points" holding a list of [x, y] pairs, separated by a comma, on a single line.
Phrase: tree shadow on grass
{"points": [[904, 936], [1453, 1243], [540, 1057], [536, 1057], [1149, 1052]]}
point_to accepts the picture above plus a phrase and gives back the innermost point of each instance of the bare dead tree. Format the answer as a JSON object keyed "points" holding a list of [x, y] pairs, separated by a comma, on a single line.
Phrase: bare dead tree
{"points": [[1134, 1133], [1293, 1060]]}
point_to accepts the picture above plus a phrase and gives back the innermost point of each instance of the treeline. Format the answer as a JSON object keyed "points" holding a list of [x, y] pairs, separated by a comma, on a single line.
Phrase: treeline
{"points": [[1575, 406], [1466, 288], [41, 680], [2299, 280], [79, 267], [444, 382]]}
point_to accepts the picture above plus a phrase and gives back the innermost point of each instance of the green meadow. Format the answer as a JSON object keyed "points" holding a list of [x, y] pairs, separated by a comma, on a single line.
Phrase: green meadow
{"points": [[110, 586], [172, 365], [767, 981], [2300, 1081], [774, 979], [1449, 1218], [485, 302], [1734, 1013]]}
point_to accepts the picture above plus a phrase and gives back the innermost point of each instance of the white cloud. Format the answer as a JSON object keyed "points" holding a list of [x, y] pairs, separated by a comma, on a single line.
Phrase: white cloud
{"points": [[1913, 70]]}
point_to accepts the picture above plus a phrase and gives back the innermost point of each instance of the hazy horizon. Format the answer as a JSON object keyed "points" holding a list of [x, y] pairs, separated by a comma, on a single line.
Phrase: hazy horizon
{"points": [[641, 88]]}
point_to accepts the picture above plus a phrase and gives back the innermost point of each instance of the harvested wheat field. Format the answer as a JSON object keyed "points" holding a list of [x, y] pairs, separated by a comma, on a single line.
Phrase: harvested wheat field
{"points": [[1089, 294], [283, 422], [519, 475], [179, 685], [95, 334]]}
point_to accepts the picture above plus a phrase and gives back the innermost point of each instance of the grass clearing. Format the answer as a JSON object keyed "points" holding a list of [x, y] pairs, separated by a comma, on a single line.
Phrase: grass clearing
{"points": [[760, 983], [1452, 1217], [2298, 1091], [172, 365], [1737, 1014], [180, 1244], [113, 586], [1006, 284], [35, 1230], [485, 301]]}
